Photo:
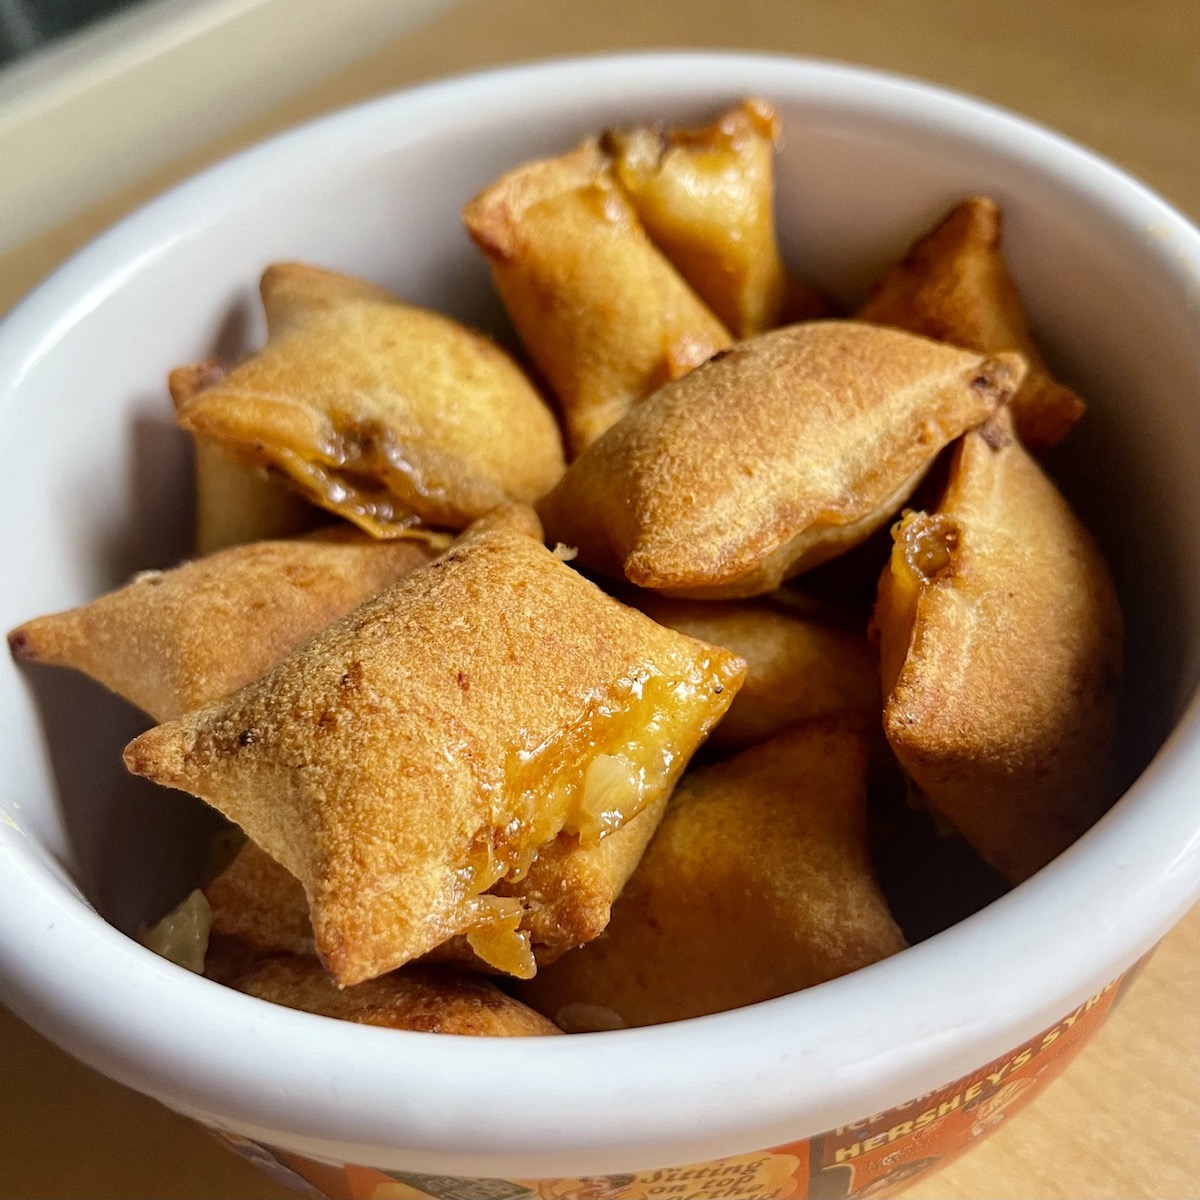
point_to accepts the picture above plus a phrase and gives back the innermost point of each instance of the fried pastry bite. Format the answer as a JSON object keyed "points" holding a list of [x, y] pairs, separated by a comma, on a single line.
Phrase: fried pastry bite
{"points": [[799, 665], [567, 895], [954, 286], [778, 455], [386, 414], [258, 907], [1000, 643], [706, 197], [171, 641], [511, 518], [757, 883], [424, 999], [603, 314], [261, 904], [236, 504], [428, 745], [573, 883]]}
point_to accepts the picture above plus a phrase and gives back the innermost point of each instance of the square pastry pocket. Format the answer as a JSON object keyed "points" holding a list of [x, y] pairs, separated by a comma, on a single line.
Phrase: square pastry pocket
{"points": [[428, 745]]}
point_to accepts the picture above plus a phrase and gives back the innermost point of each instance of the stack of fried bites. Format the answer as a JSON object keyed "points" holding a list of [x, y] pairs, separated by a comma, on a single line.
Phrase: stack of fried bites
{"points": [[460, 759]]}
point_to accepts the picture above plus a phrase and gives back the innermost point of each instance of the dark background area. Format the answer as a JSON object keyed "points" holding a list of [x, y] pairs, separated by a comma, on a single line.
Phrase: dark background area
{"points": [[27, 25]]}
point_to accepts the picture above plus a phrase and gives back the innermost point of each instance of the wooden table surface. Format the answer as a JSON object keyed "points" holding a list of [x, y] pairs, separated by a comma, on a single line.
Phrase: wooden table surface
{"points": [[1118, 75]]}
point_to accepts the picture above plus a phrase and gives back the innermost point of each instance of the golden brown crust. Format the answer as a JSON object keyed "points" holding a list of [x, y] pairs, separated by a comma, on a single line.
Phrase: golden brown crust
{"points": [[776, 456], [258, 907], [384, 413], [261, 904], [953, 285], [236, 503], [757, 883], [567, 893], [515, 518], [171, 641], [430, 743], [424, 999], [800, 664], [706, 197], [567, 896], [572, 885], [603, 314], [1001, 650]]}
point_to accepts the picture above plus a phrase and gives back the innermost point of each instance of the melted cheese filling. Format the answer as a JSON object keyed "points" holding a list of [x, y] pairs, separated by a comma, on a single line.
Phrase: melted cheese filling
{"points": [[356, 492], [588, 780], [922, 555]]}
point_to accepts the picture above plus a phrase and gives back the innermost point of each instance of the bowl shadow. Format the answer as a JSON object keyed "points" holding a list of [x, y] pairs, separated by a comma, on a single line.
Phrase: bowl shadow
{"points": [[135, 849]]}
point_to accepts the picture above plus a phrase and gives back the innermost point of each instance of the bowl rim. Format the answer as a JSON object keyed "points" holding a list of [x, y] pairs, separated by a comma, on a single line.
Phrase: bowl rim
{"points": [[721, 1084]]}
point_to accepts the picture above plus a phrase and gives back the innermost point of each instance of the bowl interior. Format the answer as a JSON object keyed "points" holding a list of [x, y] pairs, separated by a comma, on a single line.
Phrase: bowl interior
{"points": [[97, 477]]}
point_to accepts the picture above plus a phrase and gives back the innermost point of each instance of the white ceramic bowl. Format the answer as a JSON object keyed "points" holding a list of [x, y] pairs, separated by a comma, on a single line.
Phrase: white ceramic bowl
{"points": [[95, 485]]}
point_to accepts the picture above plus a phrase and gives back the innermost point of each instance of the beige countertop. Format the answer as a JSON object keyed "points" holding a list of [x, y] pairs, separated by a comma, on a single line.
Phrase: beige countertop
{"points": [[1123, 1122]]}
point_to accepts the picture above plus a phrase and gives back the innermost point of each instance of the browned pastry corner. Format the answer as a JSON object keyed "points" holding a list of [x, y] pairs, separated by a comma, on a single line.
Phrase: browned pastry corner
{"points": [[386, 414], [236, 503], [953, 285], [1000, 641], [603, 314], [171, 641], [776, 456], [567, 894], [411, 756], [706, 197], [422, 999], [757, 883], [800, 664]]}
